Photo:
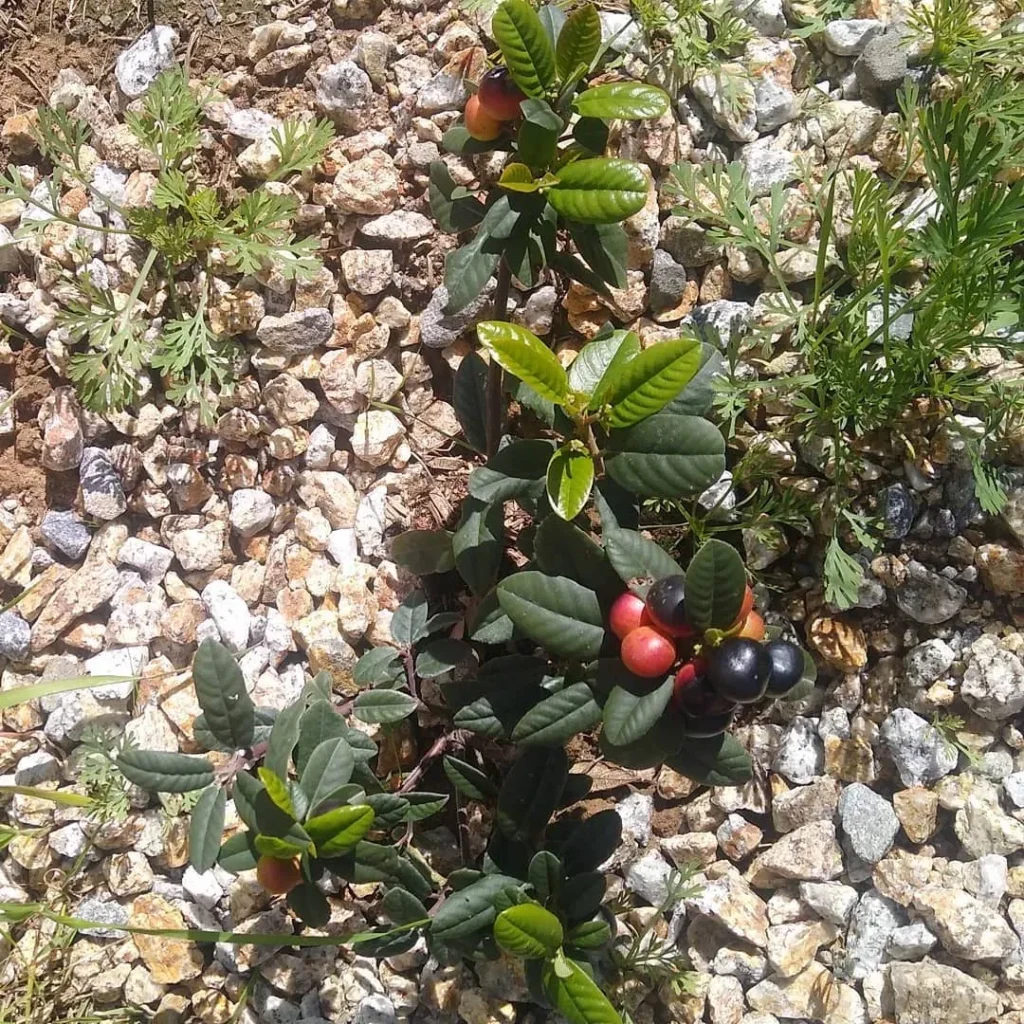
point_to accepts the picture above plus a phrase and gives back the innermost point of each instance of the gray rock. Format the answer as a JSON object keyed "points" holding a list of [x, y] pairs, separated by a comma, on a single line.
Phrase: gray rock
{"points": [[774, 104], [69, 841], [668, 282], [848, 36], [882, 66], [901, 325], [768, 165], [202, 888], [993, 684], [869, 822], [345, 94], [619, 32], [298, 332], [731, 105], [151, 560], [648, 877], [375, 1009], [636, 812], [983, 827], [15, 636], [230, 613], [918, 751], [103, 912], [801, 754], [927, 662], [831, 901], [139, 65], [722, 322], [898, 506], [911, 942], [872, 922], [32, 769], [687, 242], [443, 92], [538, 312], [928, 597], [438, 329], [930, 993], [252, 511], [102, 492], [766, 17], [397, 229], [1013, 786]]}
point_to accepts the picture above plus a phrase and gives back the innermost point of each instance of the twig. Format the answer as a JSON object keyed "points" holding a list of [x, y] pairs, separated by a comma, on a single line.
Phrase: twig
{"points": [[22, 73], [450, 739]]}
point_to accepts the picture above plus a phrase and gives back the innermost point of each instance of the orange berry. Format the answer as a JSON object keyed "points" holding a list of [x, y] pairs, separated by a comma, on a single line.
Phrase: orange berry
{"points": [[479, 123], [276, 875], [753, 628]]}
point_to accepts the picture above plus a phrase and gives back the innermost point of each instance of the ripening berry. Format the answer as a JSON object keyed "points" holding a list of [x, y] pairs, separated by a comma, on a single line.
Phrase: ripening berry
{"points": [[753, 627], [499, 95], [479, 123], [648, 653], [276, 875], [627, 613]]}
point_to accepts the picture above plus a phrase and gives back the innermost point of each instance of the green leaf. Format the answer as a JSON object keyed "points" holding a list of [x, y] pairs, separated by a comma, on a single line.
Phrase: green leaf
{"points": [[538, 133], [283, 736], [442, 656], [589, 935], [328, 769], [525, 46], [592, 842], [378, 666], [605, 247], [631, 711], [648, 382], [424, 805], [469, 398], [384, 706], [577, 998], [628, 101], [277, 790], [466, 271], [471, 910], [531, 790], [281, 847], [488, 624], [552, 17], [320, 722], [579, 41], [654, 747], [600, 360], [402, 907], [697, 398], [516, 470], [458, 140], [666, 456], [238, 853], [716, 582], [423, 552], [160, 772], [309, 905], [717, 761], [581, 896], [409, 622], [339, 829], [558, 613], [220, 690], [599, 190], [452, 214], [528, 931], [592, 134], [496, 714], [545, 875], [570, 477], [206, 828], [478, 543], [577, 786], [634, 557], [559, 717], [563, 549], [388, 809], [469, 781], [521, 353]]}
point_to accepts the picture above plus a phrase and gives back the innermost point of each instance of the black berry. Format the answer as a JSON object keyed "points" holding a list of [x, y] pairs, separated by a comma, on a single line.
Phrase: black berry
{"points": [[666, 605], [787, 666], [739, 670]]}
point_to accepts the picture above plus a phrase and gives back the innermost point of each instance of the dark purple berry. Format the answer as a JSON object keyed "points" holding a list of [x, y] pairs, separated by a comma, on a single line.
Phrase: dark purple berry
{"points": [[787, 666], [666, 605], [739, 670]]}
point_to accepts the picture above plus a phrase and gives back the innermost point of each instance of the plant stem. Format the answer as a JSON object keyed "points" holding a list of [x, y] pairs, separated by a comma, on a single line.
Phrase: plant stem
{"points": [[595, 451], [439, 746], [494, 395]]}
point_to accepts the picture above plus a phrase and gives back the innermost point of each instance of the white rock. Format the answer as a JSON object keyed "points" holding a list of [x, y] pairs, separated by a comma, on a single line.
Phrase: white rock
{"points": [[252, 511], [139, 65], [848, 36], [229, 612], [345, 94]]}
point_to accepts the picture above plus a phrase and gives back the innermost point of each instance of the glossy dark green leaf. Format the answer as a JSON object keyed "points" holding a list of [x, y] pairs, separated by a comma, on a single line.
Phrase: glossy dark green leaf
{"points": [[320, 722], [545, 875], [517, 469], [221, 692], [525, 46], [599, 360], [631, 711], [409, 622], [592, 134], [424, 805], [458, 140], [552, 17], [423, 552], [528, 931], [634, 557], [402, 907], [579, 41], [666, 456], [717, 761], [478, 543], [469, 781], [158, 771], [379, 666], [716, 582], [649, 381], [452, 214], [599, 190], [496, 713], [384, 706], [628, 101], [605, 247], [593, 842], [471, 910], [570, 477], [558, 613], [697, 397], [577, 786], [559, 717], [489, 624], [538, 133], [328, 769], [283, 737], [531, 790], [309, 905], [469, 398], [581, 895], [238, 853], [442, 656], [467, 270], [388, 809], [206, 828], [654, 747], [563, 549]]}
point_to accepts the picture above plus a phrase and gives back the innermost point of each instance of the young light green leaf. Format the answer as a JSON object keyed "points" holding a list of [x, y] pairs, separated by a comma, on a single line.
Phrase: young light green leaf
{"points": [[628, 101], [647, 383], [576, 997], [528, 931], [277, 790], [340, 829], [570, 477], [599, 190], [600, 360], [579, 41], [521, 353], [525, 46]]}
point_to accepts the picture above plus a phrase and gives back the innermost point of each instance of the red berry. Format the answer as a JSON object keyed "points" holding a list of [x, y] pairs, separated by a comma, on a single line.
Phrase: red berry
{"points": [[627, 613], [648, 653], [479, 123], [666, 605], [499, 95]]}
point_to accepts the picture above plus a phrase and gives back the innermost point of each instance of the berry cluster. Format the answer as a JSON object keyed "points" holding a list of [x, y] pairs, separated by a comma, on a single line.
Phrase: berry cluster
{"points": [[496, 101], [720, 669]]}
